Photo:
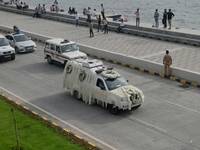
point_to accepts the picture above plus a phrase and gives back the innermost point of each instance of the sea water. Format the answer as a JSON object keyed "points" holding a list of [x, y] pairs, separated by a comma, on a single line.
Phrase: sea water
{"points": [[187, 12]]}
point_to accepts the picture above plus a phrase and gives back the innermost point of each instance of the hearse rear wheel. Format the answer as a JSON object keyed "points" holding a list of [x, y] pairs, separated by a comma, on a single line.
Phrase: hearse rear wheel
{"points": [[76, 95]]}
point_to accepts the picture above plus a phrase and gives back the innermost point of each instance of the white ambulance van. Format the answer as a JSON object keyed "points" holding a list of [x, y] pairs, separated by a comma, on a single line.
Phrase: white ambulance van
{"points": [[60, 50], [92, 82]]}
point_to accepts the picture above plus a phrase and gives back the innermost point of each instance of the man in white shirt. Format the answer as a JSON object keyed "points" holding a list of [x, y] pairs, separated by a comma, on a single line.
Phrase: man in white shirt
{"points": [[122, 25]]}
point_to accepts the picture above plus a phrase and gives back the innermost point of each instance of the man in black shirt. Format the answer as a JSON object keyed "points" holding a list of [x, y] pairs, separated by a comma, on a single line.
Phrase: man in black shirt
{"points": [[170, 16]]}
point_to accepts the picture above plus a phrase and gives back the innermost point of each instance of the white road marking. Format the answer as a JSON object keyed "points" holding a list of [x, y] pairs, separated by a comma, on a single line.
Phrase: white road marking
{"points": [[148, 124], [162, 52], [192, 110], [30, 74], [48, 113], [35, 55]]}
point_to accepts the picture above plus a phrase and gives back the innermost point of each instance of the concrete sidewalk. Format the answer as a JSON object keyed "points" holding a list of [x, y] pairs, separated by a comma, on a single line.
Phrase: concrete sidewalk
{"points": [[184, 56]]}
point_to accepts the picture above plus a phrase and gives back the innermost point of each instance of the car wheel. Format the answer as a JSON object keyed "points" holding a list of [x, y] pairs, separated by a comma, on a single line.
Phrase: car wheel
{"points": [[76, 95], [49, 60], [13, 58], [16, 50], [113, 110]]}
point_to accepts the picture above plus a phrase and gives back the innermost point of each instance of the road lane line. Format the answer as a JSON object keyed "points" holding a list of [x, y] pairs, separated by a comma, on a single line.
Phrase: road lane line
{"points": [[30, 74], [192, 110], [148, 124], [35, 55], [59, 119], [159, 53]]}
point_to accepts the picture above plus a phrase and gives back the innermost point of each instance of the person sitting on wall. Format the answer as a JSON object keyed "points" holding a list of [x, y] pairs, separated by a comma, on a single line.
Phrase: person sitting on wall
{"points": [[52, 7], [70, 10], [122, 25], [16, 30], [25, 6], [43, 9], [73, 11]]}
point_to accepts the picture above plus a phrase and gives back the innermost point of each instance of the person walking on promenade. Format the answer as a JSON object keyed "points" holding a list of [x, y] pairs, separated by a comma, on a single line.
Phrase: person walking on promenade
{"points": [[164, 21], [102, 11], [170, 16], [156, 16], [91, 28], [105, 24], [137, 13], [99, 23], [77, 18], [167, 61]]}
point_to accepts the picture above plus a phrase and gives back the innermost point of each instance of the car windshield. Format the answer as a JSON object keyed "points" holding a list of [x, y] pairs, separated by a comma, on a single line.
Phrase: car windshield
{"points": [[69, 48], [115, 83], [3, 42], [21, 38]]}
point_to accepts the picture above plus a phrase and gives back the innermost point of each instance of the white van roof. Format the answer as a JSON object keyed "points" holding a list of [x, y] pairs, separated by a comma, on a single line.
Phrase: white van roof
{"points": [[59, 41]]}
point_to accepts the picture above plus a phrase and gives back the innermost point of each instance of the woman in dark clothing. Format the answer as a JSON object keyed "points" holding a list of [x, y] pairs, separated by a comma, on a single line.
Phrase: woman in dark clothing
{"points": [[165, 18], [99, 23]]}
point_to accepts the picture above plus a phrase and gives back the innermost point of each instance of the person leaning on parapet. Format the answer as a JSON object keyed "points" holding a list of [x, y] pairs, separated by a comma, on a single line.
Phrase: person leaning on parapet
{"points": [[164, 20], [122, 25], [90, 24], [170, 16], [36, 12], [102, 11], [25, 6], [84, 11], [99, 23], [89, 13], [156, 16], [137, 13], [167, 61]]}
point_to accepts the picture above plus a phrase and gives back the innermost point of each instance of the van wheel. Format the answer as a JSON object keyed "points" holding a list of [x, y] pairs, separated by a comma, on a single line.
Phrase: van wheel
{"points": [[49, 60], [114, 110], [76, 95], [16, 50]]}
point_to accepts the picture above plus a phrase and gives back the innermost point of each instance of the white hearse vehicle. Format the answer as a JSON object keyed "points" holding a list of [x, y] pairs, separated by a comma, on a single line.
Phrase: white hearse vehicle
{"points": [[60, 50], [92, 82], [6, 51]]}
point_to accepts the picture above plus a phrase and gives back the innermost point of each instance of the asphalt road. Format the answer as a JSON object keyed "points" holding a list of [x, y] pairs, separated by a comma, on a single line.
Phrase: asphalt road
{"points": [[169, 118]]}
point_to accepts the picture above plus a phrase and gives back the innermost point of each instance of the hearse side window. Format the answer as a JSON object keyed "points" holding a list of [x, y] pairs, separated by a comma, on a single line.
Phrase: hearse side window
{"points": [[52, 47], [100, 83], [47, 45]]}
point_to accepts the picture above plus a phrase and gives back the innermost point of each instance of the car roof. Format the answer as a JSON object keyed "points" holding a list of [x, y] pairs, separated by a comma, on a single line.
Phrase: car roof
{"points": [[57, 41], [14, 34]]}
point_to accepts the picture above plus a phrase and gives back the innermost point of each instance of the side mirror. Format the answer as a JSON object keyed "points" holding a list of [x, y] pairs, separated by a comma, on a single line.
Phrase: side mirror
{"points": [[127, 80], [103, 88]]}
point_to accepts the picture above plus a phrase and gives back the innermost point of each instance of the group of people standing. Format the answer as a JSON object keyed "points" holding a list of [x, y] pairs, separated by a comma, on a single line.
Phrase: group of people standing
{"points": [[39, 10], [166, 16]]}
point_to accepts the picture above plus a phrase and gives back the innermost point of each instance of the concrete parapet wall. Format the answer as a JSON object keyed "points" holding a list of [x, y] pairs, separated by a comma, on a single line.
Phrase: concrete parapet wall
{"points": [[185, 76]]}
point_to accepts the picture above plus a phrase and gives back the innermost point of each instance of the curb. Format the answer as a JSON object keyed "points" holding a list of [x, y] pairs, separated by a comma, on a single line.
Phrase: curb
{"points": [[183, 81], [180, 80], [59, 129]]}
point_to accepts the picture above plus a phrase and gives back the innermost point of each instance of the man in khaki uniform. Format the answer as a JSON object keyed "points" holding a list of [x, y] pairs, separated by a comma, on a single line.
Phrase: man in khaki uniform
{"points": [[167, 61]]}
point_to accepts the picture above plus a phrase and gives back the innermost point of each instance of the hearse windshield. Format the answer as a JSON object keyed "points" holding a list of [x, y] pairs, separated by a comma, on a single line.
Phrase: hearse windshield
{"points": [[115, 83]]}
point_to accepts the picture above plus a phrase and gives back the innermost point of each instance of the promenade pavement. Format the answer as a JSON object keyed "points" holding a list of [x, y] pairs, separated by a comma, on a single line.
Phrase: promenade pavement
{"points": [[184, 56]]}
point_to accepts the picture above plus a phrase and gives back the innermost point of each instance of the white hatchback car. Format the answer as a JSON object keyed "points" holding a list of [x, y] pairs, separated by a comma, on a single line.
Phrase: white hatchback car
{"points": [[21, 43], [60, 50]]}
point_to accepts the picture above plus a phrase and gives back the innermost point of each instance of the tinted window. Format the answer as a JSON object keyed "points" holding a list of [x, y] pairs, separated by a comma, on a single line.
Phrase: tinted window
{"points": [[115, 83], [21, 38], [52, 47], [47, 45], [3, 42]]}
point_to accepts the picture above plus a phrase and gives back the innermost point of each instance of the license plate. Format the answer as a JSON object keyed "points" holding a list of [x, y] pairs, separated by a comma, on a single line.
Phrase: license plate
{"points": [[7, 56]]}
